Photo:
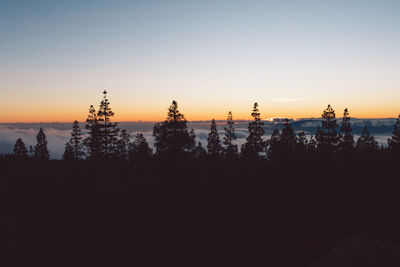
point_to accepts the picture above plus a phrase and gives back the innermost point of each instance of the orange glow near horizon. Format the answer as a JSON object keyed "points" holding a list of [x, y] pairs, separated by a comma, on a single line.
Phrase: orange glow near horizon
{"points": [[191, 114]]}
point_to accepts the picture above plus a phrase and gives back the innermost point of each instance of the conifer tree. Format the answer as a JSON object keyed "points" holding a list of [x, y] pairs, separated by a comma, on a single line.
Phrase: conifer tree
{"points": [[213, 142], [76, 141], [20, 150], [108, 130], [366, 142], [254, 144], [199, 152], [230, 149], [273, 145], [172, 136], [123, 145], [394, 141], [346, 139], [69, 153], [326, 136], [139, 148], [92, 143], [41, 151], [288, 137]]}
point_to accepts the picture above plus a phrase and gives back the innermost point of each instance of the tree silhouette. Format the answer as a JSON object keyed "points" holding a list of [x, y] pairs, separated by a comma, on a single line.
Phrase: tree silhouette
{"points": [[69, 153], [108, 130], [326, 136], [230, 149], [123, 145], [76, 141], [394, 141], [139, 148], [20, 150], [273, 145], [366, 142], [172, 136], [254, 144], [287, 138], [41, 151], [346, 140], [92, 143], [199, 152], [213, 143]]}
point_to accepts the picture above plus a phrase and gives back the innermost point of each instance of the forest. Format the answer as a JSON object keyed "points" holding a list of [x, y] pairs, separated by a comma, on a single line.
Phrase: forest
{"points": [[288, 200]]}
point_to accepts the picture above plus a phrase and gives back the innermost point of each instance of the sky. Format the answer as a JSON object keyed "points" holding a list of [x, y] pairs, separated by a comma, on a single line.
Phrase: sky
{"points": [[292, 57]]}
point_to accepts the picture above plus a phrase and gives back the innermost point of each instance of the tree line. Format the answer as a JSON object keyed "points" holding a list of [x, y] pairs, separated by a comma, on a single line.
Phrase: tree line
{"points": [[173, 139]]}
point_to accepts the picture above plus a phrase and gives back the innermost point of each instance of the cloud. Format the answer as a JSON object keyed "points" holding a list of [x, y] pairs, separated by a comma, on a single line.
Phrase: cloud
{"points": [[287, 99]]}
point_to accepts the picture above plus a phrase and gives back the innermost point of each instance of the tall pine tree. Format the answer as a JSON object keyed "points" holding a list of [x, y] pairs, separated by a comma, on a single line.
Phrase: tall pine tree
{"points": [[171, 136], [346, 139], [41, 152], [213, 142], [76, 141], [230, 149], [108, 130], [20, 150], [92, 142], [254, 145], [326, 137]]}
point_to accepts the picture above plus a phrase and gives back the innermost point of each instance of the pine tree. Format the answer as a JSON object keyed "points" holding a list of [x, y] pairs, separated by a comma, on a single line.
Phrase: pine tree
{"points": [[366, 142], [199, 152], [394, 141], [346, 140], [41, 151], [139, 149], [108, 130], [213, 142], [326, 136], [288, 137], [20, 150], [254, 144], [273, 145], [172, 136], [69, 153], [123, 145], [92, 143], [230, 149], [76, 141]]}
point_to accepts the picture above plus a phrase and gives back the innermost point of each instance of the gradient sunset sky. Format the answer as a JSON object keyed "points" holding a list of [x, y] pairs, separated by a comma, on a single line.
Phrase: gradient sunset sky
{"points": [[292, 57]]}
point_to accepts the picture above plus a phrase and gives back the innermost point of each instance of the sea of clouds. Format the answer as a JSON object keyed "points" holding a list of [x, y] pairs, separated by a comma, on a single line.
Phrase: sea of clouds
{"points": [[58, 134]]}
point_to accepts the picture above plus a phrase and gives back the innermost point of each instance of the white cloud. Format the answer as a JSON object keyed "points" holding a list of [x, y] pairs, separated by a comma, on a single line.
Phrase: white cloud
{"points": [[287, 99]]}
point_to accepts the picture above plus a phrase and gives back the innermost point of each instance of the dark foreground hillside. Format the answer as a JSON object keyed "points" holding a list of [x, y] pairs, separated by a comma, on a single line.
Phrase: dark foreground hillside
{"points": [[311, 211]]}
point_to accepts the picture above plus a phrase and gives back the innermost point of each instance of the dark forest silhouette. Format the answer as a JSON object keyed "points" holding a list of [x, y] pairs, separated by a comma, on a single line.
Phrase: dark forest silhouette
{"points": [[286, 200]]}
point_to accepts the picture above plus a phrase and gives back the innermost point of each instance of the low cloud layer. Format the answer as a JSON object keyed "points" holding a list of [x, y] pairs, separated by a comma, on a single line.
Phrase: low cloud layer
{"points": [[58, 134]]}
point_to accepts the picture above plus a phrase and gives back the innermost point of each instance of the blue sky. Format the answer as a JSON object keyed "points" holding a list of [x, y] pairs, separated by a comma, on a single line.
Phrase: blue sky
{"points": [[293, 57]]}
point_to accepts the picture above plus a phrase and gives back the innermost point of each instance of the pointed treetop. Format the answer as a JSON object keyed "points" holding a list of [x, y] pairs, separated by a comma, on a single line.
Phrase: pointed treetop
{"points": [[105, 92], [346, 113]]}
